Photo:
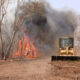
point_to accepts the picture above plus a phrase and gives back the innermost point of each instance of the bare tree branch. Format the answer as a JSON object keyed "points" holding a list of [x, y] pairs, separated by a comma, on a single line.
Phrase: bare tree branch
{"points": [[3, 11]]}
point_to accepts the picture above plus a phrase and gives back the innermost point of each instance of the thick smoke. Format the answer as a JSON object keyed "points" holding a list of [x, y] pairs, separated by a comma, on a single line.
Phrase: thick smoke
{"points": [[44, 29]]}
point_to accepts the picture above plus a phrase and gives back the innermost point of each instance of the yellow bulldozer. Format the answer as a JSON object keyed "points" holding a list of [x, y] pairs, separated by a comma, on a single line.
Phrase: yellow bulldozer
{"points": [[66, 51], [66, 46]]}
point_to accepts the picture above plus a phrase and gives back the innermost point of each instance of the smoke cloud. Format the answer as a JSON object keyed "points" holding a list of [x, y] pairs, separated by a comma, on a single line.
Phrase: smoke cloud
{"points": [[46, 28]]}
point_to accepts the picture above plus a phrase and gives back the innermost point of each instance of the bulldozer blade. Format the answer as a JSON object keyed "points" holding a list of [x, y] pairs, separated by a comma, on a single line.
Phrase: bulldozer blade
{"points": [[65, 58]]}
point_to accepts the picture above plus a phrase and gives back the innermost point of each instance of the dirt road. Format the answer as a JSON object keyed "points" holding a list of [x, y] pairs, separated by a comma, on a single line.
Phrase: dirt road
{"points": [[40, 69]]}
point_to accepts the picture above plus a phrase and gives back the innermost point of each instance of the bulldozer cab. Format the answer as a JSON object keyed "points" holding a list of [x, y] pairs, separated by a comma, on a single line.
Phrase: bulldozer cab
{"points": [[66, 46]]}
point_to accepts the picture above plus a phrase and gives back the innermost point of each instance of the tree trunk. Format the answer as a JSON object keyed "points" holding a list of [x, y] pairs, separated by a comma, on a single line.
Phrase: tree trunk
{"points": [[9, 47], [2, 48], [2, 51]]}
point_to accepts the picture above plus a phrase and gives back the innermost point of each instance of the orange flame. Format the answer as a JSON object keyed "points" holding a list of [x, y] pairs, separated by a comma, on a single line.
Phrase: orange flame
{"points": [[27, 49], [19, 50]]}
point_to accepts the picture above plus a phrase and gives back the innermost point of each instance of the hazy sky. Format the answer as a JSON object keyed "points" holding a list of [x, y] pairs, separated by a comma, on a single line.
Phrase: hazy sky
{"points": [[57, 4], [60, 4]]}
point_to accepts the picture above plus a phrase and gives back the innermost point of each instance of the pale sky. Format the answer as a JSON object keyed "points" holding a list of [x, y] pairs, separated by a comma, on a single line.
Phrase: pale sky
{"points": [[70, 4], [57, 4]]}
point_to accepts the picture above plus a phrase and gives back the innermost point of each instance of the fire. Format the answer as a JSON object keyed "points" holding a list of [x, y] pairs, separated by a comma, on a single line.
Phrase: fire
{"points": [[26, 49]]}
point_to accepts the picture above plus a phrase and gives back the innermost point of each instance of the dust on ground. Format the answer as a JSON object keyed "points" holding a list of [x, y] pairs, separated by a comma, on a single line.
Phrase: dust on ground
{"points": [[40, 69]]}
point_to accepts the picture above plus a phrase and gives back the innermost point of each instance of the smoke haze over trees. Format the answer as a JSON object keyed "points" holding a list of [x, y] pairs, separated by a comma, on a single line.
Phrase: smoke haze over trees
{"points": [[43, 24]]}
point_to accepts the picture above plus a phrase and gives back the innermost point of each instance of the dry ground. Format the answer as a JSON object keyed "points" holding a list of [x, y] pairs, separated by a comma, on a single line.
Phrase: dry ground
{"points": [[40, 69]]}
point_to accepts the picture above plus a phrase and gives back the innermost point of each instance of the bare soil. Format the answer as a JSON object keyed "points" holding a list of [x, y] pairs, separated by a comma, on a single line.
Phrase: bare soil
{"points": [[40, 69]]}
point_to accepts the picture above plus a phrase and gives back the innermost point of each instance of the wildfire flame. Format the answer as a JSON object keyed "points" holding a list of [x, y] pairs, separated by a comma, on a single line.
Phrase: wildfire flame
{"points": [[26, 49]]}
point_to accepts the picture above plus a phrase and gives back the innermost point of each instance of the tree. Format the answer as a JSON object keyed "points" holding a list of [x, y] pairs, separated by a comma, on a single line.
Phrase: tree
{"points": [[22, 12], [3, 11], [17, 22]]}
